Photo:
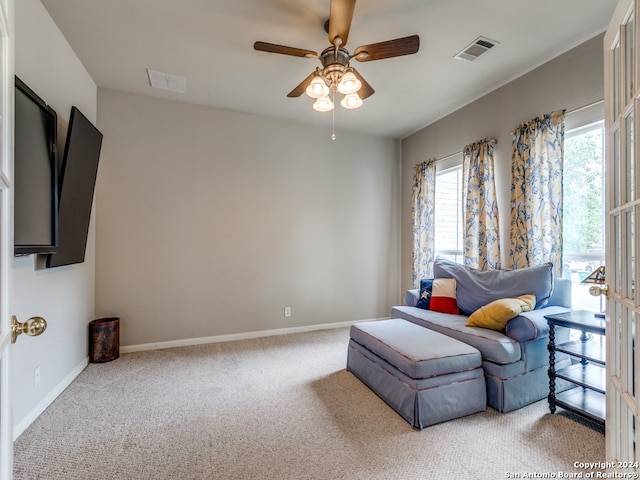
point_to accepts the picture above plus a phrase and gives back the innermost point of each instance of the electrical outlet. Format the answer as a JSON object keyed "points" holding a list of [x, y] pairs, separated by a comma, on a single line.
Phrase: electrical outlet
{"points": [[36, 376], [287, 311]]}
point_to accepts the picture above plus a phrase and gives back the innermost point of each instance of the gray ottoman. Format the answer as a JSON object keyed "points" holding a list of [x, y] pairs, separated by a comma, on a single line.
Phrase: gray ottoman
{"points": [[423, 375]]}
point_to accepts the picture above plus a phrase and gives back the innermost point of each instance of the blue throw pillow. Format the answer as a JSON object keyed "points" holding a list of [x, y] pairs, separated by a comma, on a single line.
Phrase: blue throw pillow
{"points": [[426, 286], [476, 289]]}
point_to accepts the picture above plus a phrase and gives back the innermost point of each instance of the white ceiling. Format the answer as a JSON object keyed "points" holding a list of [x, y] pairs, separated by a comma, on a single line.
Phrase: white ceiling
{"points": [[210, 42]]}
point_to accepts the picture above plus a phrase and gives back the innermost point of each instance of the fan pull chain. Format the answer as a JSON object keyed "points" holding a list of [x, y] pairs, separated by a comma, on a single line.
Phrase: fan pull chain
{"points": [[333, 118]]}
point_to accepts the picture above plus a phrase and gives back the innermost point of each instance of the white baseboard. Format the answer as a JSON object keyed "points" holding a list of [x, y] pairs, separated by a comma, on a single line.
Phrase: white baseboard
{"points": [[237, 336], [48, 400]]}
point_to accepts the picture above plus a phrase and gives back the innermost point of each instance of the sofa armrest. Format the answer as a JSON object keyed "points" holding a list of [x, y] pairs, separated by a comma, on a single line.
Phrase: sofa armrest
{"points": [[531, 325], [411, 297]]}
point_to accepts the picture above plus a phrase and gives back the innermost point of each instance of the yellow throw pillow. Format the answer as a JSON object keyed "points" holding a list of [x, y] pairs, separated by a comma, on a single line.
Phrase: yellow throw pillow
{"points": [[496, 314]]}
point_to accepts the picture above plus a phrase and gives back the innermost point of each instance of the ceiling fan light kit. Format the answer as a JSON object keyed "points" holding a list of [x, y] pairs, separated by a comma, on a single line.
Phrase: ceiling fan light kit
{"points": [[336, 75], [349, 84], [351, 100], [317, 88], [323, 104], [344, 82]]}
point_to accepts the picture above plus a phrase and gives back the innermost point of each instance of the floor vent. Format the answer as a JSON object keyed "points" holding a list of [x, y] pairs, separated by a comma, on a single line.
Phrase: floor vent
{"points": [[478, 47]]}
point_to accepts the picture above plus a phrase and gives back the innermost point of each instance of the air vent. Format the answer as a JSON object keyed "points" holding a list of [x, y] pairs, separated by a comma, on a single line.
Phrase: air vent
{"points": [[166, 81], [478, 47]]}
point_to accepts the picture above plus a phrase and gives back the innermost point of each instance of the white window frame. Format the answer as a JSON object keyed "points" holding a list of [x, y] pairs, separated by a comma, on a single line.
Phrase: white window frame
{"points": [[445, 166], [596, 259]]}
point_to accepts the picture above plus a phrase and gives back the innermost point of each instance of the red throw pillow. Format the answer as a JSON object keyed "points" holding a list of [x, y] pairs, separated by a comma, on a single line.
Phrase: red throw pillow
{"points": [[443, 296]]}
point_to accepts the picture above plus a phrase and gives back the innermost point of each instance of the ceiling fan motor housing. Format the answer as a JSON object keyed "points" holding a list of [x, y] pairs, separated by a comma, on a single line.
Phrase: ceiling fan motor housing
{"points": [[334, 60]]}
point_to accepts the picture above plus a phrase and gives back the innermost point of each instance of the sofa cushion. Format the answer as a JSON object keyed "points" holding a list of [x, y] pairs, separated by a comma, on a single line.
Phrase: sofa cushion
{"points": [[496, 314], [414, 350], [494, 346], [476, 289]]}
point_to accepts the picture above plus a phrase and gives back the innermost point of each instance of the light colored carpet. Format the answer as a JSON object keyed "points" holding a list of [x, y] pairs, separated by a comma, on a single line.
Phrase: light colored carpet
{"points": [[275, 408]]}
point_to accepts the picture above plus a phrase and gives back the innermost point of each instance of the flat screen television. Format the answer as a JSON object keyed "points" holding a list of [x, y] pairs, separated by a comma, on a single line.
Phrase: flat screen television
{"points": [[77, 184], [35, 183]]}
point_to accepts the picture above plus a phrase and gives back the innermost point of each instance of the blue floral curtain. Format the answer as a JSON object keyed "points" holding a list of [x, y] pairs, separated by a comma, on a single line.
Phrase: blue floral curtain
{"points": [[422, 219], [536, 192], [481, 229]]}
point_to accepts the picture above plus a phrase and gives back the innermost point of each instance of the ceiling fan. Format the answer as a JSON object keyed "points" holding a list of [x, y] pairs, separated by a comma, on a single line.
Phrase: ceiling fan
{"points": [[336, 74]]}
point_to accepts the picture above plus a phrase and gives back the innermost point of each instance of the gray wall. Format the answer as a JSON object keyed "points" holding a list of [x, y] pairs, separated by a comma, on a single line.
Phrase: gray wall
{"points": [[210, 222], [65, 295], [570, 81]]}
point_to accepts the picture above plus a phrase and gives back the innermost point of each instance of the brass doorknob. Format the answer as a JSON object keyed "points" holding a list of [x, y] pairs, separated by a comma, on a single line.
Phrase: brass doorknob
{"points": [[596, 290], [32, 327]]}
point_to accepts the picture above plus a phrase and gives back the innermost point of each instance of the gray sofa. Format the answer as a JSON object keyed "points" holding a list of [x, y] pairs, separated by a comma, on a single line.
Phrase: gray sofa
{"points": [[515, 362]]}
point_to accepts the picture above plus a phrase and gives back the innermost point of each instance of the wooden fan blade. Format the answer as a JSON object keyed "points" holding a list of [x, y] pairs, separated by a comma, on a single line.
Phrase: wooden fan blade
{"points": [[300, 89], [340, 16], [388, 49], [365, 90], [273, 48]]}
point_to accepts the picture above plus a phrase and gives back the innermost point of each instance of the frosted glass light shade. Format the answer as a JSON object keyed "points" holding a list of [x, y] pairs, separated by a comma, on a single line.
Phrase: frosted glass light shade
{"points": [[351, 101], [349, 83], [317, 88], [323, 104]]}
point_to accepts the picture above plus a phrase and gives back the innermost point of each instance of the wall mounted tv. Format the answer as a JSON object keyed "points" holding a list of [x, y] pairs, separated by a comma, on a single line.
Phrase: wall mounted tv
{"points": [[77, 185], [35, 183]]}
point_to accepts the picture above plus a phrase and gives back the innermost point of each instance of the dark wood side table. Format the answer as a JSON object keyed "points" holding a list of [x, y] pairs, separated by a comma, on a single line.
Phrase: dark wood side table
{"points": [[586, 396]]}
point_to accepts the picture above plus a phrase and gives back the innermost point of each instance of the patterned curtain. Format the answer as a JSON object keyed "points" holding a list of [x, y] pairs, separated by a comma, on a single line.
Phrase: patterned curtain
{"points": [[536, 192], [481, 229], [422, 219]]}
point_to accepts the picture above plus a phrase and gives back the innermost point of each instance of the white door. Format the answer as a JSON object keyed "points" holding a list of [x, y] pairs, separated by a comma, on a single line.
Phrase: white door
{"points": [[6, 231], [622, 102]]}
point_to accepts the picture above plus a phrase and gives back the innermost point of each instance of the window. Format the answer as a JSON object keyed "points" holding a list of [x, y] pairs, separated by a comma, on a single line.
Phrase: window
{"points": [[583, 210], [448, 214]]}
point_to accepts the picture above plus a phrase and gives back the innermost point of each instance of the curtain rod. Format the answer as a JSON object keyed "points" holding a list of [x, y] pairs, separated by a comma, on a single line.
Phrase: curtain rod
{"points": [[575, 110], [449, 156], [584, 107]]}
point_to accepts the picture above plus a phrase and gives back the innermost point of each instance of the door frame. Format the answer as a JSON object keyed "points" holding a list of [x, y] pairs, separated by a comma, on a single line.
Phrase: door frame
{"points": [[622, 108], [7, 25]]}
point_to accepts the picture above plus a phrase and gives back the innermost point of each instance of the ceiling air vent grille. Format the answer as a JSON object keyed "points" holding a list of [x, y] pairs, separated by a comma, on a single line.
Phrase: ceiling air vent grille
{"points": [[166, 81], [478, 47]]}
